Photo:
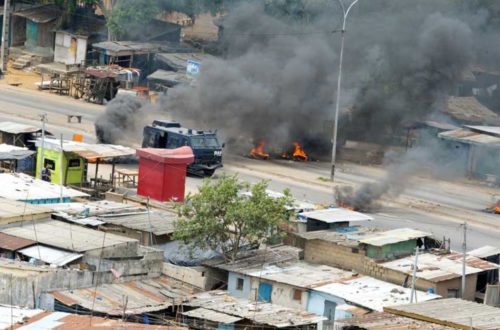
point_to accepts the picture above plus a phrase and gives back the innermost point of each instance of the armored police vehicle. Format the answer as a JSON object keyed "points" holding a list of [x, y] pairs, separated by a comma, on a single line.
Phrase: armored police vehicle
{"points": [[170, 135]]}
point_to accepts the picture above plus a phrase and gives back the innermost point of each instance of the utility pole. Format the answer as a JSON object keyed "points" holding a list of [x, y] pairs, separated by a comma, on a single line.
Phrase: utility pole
{"points": [[43, 118], [414, 278], [4, 54], [345, 13], [464, 259]]}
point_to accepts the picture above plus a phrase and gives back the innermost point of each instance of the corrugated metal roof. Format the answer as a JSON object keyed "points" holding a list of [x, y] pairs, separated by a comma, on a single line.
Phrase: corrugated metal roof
{"points": [[13, 243], [372, 293], [40, 14], [50, 256], [393, 236], [492, 130], [16, 314], [125, 48], [456, 313], [144, 296], [259, 312], [299, 274], [485, 251], [156, 222], [86, 150], [35, 319], [22, 187], [206, 314], [257, 258], [178, 61], [334, 215], [67, 236], [9, 152], [470, 110], [12, 211], [387, 321], [465, 135], [169, 77], [437, 268], [17, 128]]}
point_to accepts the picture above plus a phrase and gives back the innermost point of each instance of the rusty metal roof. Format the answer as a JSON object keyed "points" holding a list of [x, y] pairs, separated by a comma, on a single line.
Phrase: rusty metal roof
{"points": [[207, 314], [144, 296], [465, 135], [387, 321], [21, 318], [457, 313], [469, 109], [13, 243], [440, 267], [86, 150], [258, 312], [40, 14]]}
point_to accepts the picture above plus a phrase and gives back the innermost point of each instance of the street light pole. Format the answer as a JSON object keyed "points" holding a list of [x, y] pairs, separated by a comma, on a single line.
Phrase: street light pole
{"points": [[345, 13]]}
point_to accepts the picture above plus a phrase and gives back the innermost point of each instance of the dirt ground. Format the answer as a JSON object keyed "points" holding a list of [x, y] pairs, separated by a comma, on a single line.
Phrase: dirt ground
{"points": [[25, 78]]}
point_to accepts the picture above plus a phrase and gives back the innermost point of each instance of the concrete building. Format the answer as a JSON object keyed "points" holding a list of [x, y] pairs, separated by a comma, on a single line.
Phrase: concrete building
{"points": [[440, 269], [320, 289]]}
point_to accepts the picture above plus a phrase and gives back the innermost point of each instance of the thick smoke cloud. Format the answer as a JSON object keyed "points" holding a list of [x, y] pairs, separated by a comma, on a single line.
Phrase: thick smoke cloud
{"points": [[276, 83]]}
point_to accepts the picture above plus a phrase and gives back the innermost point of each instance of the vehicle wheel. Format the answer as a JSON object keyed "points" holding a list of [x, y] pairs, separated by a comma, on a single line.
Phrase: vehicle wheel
{"points": [[209, 172]]}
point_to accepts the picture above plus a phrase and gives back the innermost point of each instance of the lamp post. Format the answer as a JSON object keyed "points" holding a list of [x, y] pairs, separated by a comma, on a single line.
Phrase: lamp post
{"points": [[345, 13]]}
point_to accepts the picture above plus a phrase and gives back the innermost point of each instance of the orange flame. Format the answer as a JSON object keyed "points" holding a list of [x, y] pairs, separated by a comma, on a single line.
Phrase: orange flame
{"points": [[258, 151], [299, 153], [497, 208]]}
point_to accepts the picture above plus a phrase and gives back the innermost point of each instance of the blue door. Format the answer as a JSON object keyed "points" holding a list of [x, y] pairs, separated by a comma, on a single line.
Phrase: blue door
{"points": [[265, 290]]}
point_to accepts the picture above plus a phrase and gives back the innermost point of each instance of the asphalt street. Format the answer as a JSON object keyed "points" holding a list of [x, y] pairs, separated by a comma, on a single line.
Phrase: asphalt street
{"points": [[432, 205]]}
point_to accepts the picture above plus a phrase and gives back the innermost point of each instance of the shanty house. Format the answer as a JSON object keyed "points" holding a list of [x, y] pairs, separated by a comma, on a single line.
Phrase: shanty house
{"points": [[20, 135], [70, 48], [479, 146], [149, 227], [17, 159], [34, 27], [467, 110], [328, 219], [323, 290], [218, 310], [67, 160]]}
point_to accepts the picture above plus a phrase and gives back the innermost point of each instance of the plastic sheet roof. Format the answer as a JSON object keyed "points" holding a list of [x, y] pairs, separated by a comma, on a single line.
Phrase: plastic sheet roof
{"points": [[86, 150], [10, 152]]}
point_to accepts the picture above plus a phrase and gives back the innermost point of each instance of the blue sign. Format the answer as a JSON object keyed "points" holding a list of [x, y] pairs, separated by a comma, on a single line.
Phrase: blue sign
{"points": [[193, 68]]}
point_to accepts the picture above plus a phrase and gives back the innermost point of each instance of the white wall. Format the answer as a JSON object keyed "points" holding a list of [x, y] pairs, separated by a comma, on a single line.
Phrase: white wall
{"points": [[282, 294], [69, 49], [316, 305]]}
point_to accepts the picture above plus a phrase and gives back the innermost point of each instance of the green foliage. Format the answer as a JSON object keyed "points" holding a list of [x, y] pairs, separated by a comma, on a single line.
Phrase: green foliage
{"points": [[132, 14], [221, 218]]}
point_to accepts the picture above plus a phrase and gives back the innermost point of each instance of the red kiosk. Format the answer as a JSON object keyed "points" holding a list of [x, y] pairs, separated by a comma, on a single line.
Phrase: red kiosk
{"points": [[162, 173]]}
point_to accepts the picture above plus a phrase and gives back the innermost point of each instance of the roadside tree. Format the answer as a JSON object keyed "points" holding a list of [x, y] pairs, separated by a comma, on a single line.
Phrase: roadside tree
{"points": [[228, 213]]}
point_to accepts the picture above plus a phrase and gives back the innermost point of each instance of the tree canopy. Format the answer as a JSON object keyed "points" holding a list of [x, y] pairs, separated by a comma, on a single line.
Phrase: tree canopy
{"points": [[222, 218]]}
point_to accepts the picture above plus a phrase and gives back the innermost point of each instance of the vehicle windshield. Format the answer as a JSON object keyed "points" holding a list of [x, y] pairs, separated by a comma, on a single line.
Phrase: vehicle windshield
{"points": [[204, 142]]}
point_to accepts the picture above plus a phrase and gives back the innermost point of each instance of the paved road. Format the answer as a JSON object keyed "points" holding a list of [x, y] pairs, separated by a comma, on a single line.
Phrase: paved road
{"points": [[26, 106], [435, 206]]}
